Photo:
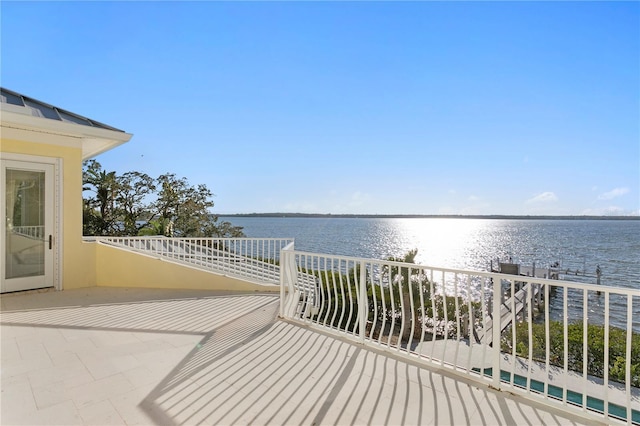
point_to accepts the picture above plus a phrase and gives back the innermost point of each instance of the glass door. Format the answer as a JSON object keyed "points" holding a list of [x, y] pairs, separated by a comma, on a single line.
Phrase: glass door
{"points": [[27, 234]]}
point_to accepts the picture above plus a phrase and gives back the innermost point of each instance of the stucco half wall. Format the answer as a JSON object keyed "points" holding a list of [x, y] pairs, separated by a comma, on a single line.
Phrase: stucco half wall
{"points": [[116, 267]]}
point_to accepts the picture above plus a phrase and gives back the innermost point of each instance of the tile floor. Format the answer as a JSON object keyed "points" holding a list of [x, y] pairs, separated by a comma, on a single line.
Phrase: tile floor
{"points": [[104, 356]]}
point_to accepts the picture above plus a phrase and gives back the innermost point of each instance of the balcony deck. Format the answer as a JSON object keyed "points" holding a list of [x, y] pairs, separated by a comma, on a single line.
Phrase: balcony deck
{"points": [[132, 356]]}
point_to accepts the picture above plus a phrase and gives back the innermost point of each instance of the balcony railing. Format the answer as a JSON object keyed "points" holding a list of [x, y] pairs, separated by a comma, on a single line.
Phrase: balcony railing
{"points": [[34, 232], [553, 341], [556, 342], [253, 259]]}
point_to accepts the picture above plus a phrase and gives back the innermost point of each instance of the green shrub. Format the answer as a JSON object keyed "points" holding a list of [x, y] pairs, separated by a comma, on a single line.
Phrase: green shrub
{"points": [[575, 358]]}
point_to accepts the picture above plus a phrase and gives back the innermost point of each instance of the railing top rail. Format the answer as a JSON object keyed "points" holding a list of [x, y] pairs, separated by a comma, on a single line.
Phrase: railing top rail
{"points": [[157, 237], [290, 246], [485, 274], [253, 259]]}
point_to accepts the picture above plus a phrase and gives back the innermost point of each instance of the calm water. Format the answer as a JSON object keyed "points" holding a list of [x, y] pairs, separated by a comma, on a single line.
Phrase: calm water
{"points": [[614, 245], [469, 243]]}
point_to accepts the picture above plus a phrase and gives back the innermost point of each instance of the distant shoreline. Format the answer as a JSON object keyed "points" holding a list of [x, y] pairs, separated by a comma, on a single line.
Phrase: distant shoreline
{"points": [[424, 216]]}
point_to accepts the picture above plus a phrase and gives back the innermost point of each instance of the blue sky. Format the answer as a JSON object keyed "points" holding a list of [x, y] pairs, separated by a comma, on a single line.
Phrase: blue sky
{"points": [[356, 107]]}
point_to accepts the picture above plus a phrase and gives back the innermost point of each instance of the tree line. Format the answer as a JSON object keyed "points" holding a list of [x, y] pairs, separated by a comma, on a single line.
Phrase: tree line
{"points": [[134, 203]]}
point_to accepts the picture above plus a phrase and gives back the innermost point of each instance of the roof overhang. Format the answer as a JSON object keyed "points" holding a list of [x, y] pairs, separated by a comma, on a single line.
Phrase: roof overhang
{"points": [[18, 125]]}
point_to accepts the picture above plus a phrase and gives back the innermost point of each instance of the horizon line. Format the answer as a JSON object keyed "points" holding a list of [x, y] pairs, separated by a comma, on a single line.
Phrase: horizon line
{"points": [[433, 216]]}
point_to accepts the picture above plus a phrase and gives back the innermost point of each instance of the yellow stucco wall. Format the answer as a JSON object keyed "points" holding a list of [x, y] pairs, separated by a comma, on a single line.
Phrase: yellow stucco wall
{"points": [[78, 258], [89, 264], [121, 268]]}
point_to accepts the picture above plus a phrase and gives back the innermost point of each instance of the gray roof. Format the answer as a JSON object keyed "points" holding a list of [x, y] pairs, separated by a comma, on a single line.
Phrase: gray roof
{"points": [[38, 108]]}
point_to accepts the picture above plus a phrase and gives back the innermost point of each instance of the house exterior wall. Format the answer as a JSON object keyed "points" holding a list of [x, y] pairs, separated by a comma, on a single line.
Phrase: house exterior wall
{"points": [[80, 263], [121, 268], [77, 258]]}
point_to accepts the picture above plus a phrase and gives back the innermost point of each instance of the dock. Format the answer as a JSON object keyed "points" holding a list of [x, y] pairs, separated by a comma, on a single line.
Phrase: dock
{"points": [[555, 271], [552, 272], [515, 305], [519, 302]]}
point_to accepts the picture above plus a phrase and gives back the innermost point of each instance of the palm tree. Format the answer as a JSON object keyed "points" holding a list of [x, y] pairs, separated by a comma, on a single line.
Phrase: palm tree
{"points": [[99, 209]]}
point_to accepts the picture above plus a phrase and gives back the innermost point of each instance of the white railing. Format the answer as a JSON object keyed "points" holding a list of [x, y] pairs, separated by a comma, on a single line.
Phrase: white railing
{"points": [[253, 259], [448, 317], [34, 232]]}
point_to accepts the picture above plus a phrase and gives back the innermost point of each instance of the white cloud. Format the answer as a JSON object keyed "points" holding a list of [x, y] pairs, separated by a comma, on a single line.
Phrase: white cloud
{"points": [[610, 211], [544, 197], [616, 192], [614, 211]]}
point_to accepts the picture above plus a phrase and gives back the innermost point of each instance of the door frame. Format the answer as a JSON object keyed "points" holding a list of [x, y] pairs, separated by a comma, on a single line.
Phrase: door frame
{"points": [[57, 208]]}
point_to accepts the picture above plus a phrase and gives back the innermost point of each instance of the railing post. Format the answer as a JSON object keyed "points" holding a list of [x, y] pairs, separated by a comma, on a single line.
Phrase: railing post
{"points": [[497, 320], [287, 262], [284, 263], [363, 308]]}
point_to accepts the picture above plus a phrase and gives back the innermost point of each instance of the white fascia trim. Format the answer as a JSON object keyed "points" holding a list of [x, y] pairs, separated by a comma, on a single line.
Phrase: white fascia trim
{"points": [[93, 140], [92, 147]]}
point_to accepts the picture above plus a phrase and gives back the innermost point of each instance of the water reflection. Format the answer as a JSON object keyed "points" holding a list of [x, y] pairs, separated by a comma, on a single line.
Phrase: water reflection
{"points": [[471, 244], [446, 242]]}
